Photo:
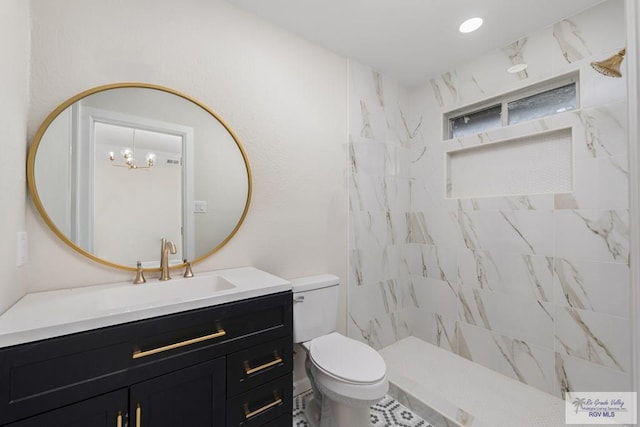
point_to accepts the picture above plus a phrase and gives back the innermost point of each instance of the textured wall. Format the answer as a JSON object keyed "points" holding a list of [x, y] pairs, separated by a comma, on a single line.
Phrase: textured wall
{"points": [[535, 286], [284, 97], [14, 86]]}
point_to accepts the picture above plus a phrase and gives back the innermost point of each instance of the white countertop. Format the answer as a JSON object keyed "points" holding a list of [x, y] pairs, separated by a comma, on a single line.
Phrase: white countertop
{"points": [[50, 314]]}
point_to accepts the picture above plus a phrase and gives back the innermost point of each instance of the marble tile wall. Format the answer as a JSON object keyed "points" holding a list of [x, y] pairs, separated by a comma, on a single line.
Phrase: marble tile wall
{"points": [[381, 295], [535, 287]]}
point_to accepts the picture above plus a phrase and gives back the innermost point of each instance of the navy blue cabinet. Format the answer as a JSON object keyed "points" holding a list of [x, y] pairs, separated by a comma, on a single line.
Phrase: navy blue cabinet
{"points": [[226, 365], [102, 411]]}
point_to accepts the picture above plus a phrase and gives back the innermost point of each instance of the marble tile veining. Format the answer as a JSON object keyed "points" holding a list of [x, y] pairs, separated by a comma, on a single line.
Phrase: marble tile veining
{"points": [[598, 338], [435, 262], [524, 232], [578, 284], [435, 296], [525, 319], [592, 235], [435, 328], [574, 374], [515, 358], [532, 286], [505, 272], [570, 41]]}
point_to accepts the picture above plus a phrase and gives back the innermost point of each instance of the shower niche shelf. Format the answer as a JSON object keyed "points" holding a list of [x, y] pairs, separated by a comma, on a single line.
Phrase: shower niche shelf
{"points": [[539, 163]]}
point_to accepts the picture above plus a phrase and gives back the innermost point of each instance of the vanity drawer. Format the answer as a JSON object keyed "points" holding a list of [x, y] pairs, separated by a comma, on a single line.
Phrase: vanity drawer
{"points": [[262, 405], [230, 327], [44, 375], [256, 365]]}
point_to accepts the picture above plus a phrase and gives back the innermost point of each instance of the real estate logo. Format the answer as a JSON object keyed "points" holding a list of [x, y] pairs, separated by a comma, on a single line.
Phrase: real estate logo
{"points": [[601, 408]]}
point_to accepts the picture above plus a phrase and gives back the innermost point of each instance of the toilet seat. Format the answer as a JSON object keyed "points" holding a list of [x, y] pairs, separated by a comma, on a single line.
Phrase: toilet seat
{"points": [[346, 359]]}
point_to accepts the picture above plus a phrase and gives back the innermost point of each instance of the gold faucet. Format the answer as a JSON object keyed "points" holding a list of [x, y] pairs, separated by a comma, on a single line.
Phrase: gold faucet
{"points": [[166, 247]]}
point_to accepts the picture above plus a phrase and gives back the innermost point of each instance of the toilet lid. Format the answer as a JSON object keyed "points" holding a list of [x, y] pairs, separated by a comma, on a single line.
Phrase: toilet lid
{"points": [[347, 359]]}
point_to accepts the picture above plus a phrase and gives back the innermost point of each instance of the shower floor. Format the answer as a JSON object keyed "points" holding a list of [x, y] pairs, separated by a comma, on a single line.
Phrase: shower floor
{"points": [[386, 413]]}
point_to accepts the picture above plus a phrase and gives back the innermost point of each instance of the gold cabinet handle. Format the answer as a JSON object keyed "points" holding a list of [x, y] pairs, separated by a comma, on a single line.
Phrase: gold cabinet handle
{"points": [[250, 370], [258, 411], [138, 416], [138, 353], [119, 419]]}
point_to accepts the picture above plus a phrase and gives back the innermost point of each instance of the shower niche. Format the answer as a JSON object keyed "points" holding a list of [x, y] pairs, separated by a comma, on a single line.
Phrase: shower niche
{"points": [[537, 163]]}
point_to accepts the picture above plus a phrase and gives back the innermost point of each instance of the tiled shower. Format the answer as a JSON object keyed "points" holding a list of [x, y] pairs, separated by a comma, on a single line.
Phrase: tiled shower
{"points": [[533, 286]]}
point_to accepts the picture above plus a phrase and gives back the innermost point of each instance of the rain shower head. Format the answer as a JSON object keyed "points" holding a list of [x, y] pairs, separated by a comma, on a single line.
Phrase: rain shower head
{"points": [[611, 66]]}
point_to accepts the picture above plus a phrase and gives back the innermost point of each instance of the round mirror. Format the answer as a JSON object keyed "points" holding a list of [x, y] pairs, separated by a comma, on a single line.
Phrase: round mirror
{"points": [[115, 169]]}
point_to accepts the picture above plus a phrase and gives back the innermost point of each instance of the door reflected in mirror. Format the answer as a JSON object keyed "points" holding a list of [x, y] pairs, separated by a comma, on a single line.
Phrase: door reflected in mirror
{"points": [[115, 169], [141, 170]]}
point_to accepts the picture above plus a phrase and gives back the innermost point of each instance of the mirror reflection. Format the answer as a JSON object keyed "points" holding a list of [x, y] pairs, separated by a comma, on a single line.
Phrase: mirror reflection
{"points": [[116, 169]]}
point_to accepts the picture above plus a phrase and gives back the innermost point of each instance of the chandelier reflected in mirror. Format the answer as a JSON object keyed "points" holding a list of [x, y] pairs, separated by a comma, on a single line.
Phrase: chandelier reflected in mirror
{"points": [[129, 157]]}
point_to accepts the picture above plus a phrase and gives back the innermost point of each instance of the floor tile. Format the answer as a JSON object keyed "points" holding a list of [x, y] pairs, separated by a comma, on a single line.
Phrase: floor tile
{"points": [[386, 413]]}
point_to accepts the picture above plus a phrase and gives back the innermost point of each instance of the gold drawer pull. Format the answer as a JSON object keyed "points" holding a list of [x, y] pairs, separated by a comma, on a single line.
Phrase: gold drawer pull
{"points": [[138, 416], [250, 370], [258, 411], [138, 354], [119, 419]]}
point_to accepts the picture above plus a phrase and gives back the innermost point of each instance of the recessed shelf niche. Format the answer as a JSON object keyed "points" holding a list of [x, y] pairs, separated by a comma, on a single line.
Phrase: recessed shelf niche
{"points": [[539, 163]]}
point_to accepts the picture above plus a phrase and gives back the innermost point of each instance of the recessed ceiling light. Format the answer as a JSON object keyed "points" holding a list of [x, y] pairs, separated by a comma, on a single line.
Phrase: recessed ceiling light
{"points": [[517, 68], [470, 25]]}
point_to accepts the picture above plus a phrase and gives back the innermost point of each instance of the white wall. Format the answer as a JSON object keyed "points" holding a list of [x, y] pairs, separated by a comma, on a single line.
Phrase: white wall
{"points": [[14, 86], [284, 97]]}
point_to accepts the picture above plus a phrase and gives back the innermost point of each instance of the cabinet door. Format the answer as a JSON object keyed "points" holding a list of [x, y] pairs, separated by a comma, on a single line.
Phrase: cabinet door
{"points": [[190, 397], [108, 410]]}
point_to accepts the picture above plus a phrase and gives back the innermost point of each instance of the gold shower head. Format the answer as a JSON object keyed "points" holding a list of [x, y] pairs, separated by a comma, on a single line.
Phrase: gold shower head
{"points": [[611, 66]]}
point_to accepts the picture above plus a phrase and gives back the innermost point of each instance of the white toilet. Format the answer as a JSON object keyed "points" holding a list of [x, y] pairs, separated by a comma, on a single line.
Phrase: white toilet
{"points": [[347, 376]]}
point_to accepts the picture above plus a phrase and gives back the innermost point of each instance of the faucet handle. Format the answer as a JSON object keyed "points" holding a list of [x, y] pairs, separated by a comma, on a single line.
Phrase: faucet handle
{"points": [[139, 275], [187, 270]]}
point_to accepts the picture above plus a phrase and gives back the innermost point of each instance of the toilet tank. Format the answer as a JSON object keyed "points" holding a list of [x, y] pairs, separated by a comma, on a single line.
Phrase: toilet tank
{"points": [[315, 306]]}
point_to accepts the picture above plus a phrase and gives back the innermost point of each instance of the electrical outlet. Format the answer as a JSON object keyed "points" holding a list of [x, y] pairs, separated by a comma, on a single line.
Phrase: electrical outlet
{"points": [[22, 251]]}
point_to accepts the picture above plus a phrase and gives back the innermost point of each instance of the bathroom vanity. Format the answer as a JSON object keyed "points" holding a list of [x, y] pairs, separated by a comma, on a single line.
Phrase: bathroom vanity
{"points": [[193, 356], [210, 350]]}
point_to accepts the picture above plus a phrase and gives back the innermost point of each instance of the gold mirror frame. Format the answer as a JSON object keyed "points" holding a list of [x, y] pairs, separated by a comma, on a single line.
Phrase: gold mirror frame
{"points": [[31, 159]]}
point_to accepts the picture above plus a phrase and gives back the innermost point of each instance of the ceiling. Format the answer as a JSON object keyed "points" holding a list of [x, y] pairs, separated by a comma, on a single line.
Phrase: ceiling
{"points": [[411, 40]]}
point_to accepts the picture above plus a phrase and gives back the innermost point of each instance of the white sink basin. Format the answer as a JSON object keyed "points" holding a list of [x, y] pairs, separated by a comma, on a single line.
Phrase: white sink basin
{"points": [[129, 297]]}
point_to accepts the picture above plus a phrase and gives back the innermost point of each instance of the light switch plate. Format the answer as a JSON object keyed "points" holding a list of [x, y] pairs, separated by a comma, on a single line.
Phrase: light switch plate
{"points": [[200, 206]]}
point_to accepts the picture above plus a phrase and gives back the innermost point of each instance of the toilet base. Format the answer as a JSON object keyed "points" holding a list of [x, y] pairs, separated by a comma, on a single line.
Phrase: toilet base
{"points": [[344, 415], [340, 415], [312, 412]]}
